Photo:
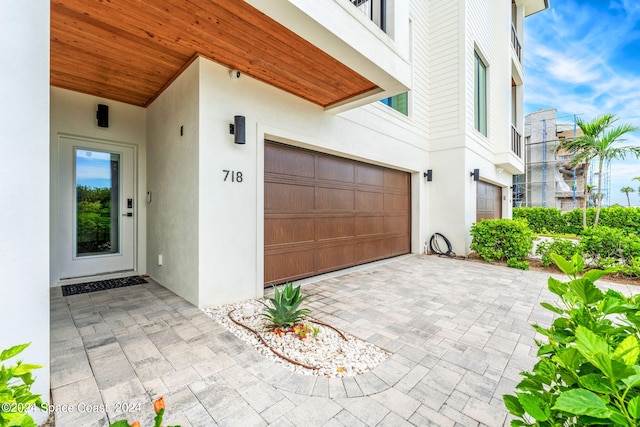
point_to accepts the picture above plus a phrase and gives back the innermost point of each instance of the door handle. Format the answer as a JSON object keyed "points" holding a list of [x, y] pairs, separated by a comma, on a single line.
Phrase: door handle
{"points": [[128, 214]]}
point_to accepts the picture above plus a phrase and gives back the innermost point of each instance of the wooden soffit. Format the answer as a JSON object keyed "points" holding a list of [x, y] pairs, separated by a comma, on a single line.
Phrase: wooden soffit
{"points": [[130, 50]]}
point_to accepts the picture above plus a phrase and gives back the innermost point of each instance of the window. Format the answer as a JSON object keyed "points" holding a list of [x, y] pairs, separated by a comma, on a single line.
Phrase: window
{"points": [[480, 95], [399, 103], [375, 10]]}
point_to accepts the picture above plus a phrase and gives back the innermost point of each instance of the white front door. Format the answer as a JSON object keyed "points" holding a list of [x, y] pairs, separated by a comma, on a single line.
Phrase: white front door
{"points": [[96, 208]]}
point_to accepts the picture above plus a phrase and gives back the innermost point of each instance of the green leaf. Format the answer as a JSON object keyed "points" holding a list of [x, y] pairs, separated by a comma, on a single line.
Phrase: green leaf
{"points": [[557, 287], [582, 402], [586, 290], [578, 262], [633, 407], [632, 381], [594, 275], [597, 383], [534, 406], [16, 349], [611, 305], [120, 423], [513, 405], [628, 351], [565, 266], [24, 369], [588, 343], [553, 308]]}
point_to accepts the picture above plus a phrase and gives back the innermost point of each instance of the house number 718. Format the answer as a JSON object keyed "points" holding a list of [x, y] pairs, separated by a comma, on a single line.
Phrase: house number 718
{"points": [[234, 176]]}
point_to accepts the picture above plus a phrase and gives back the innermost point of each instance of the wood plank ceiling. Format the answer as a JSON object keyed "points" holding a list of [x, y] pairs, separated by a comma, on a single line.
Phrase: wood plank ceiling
{"points": [[130, 50]]}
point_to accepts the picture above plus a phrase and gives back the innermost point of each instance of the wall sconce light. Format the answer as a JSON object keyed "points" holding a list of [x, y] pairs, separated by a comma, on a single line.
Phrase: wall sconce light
{"points": [[475, 174], [237, 129], [103, 115], [429, 175]]}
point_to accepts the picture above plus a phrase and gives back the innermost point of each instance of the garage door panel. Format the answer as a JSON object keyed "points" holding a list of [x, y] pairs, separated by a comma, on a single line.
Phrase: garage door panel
{"points": [[280, 231], [396, 202], [288, 197], [399, 244], [396, 179], [360, 213], [395, 224], [283, 161], [369, 175], [332, 257], [334, 199], [488, 201], [369, 225], [335, 227], [368, 201], [335, 169], [370, 250], [289, 265]]}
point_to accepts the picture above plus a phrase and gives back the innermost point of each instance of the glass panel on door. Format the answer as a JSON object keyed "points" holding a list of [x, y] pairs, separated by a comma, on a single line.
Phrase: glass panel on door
{"points": [[97, 203]]}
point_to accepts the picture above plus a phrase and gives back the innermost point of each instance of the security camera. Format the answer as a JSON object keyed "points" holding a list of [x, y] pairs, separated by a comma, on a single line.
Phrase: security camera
{"points": [[234, 74]]}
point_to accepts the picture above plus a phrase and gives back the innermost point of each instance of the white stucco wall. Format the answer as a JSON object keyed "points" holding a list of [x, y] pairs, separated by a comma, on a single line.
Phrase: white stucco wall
{"points": [[231, 214], [173, 180], [24, 184], [74, 114]]}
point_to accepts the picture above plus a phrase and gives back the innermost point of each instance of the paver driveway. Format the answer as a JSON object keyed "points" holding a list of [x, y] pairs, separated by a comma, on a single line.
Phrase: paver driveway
{"points": [[459, 333]]}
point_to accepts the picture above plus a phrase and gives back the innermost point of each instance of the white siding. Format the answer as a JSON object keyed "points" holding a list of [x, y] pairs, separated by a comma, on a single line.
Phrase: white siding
{"points": [[444, 28]]}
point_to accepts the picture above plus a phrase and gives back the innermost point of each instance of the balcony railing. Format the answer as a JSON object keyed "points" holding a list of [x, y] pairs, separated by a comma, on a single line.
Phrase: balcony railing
{"points": [[516, 141], [375, 10], [515, 42]]}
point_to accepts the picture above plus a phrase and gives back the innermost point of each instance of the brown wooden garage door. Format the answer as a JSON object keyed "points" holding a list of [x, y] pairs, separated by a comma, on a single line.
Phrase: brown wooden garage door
{"points": [[324, 213], [488, 201]]}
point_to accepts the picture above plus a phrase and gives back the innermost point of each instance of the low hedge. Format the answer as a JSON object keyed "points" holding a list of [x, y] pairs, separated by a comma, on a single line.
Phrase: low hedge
{"points": [[501, 239], [544, 220]]}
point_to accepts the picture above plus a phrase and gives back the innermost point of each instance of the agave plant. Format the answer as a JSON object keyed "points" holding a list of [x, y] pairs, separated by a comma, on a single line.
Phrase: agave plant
{"points": [[284, 307]]}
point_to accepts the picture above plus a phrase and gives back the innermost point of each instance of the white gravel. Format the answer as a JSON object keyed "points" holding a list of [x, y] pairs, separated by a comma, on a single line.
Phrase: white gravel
{"points": [[328, 351]]}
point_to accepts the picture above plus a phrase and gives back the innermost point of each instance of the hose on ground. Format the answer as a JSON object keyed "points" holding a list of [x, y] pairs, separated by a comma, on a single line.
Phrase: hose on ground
{"points": [[436, 244]]}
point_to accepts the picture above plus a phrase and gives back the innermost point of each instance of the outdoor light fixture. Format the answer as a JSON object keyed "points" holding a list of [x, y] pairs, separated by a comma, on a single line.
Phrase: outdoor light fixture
{"points": [[103, 115], [475, 174], [237, 129], [429, 175]]}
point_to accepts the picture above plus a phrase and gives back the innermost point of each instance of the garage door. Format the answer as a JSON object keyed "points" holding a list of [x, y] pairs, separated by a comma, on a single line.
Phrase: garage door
{"points": [[488, 201], [324, 213]]}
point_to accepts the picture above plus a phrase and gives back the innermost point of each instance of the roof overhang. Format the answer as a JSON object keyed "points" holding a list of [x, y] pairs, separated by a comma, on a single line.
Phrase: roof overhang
{"points": [[535, 6], [129, 52]]}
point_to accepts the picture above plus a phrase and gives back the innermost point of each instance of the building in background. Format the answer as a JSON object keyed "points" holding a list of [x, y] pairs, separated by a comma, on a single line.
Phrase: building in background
{"points": [[360, 128], [549, 180]]}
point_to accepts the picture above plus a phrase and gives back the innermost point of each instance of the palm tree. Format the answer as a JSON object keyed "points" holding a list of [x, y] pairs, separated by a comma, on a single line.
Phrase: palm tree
{"points": [[627, 190], [598, 141]]}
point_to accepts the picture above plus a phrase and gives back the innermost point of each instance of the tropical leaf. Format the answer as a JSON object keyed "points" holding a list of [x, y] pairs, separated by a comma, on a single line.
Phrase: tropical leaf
{"points": [[582, 402]]}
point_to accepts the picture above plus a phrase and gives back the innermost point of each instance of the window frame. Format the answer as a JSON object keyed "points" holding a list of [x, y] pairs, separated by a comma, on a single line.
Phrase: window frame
{"points": [[480, 91]]}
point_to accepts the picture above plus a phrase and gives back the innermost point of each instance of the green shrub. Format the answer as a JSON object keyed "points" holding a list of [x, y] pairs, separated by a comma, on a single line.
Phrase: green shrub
{"points": [[551, 220], [606, 246], [539, 219], [563, 247], [501, 239], [631, 269], [520, 265], [626, 219], [587, 371], [284, 306], [16, 398]]}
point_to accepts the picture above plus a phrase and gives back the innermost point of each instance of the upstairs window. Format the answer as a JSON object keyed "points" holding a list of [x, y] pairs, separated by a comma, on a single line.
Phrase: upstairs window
{"points": [[375, 10], [480, 95], [398, 102]]}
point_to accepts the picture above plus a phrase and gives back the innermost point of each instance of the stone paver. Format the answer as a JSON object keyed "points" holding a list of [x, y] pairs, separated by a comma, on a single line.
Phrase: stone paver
{"points": [[458, 332]]}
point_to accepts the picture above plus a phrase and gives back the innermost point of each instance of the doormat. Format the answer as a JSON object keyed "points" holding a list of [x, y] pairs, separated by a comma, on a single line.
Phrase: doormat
{"points": [[83, 288]]}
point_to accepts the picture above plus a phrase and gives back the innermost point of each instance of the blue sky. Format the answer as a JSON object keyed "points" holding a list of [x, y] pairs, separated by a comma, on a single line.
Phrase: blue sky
{"points": [[583, 57], [93, 168]]}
